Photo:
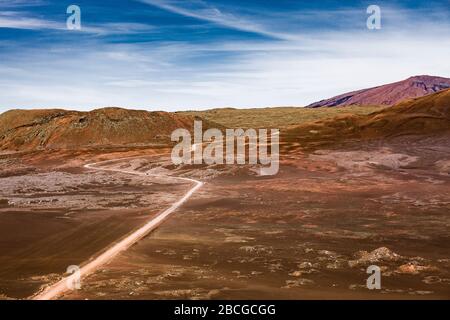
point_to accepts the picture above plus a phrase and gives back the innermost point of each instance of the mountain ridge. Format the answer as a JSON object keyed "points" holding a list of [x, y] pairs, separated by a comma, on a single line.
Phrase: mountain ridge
{"points": [[422, 116], [388, 94]]}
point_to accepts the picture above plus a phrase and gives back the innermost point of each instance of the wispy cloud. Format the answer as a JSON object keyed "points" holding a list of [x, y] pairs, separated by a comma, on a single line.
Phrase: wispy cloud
{"points": [[199, 9], [118, 28], [175, 64], [19, 20], [20, 3], [24, 20], [162, 75]]}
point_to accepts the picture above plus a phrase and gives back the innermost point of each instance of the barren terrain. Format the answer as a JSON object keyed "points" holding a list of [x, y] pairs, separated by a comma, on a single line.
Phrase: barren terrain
{"points": [[309, 232], [352, 192]]}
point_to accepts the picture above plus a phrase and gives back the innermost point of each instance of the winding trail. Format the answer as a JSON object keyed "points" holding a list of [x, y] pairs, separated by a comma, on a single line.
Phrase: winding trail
{"points": [[59, 288]]}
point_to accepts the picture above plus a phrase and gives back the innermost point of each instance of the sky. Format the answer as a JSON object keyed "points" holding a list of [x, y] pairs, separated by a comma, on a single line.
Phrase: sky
{"points": [[199, 54]]}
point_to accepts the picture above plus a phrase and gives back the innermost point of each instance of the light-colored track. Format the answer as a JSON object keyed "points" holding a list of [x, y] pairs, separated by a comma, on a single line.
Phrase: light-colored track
{"points": [[56, 290]]}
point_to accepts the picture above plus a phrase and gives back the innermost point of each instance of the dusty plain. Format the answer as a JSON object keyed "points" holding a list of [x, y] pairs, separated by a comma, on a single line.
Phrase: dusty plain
{"points": [[307, 233]]}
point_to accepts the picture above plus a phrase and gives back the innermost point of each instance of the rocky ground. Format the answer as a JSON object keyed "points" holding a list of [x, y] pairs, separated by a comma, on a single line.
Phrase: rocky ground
{"points": [[308, 233], [53, 218]]}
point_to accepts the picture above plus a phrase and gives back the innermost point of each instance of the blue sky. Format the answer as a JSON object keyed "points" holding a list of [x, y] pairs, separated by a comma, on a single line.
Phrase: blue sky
{"points": [[198, 54]]}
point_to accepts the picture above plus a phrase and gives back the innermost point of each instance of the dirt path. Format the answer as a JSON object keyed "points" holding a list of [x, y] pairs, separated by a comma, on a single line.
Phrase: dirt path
{"points": [[59, 288]]}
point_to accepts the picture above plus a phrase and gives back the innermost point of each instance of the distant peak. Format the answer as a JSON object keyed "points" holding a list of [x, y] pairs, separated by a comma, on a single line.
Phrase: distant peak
{"points": [[389, 94]]}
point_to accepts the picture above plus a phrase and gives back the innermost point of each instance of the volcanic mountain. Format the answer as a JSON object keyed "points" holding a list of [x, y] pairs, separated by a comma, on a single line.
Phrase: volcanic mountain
{"points": [[61, 129], [389, 94], [422, 116]]}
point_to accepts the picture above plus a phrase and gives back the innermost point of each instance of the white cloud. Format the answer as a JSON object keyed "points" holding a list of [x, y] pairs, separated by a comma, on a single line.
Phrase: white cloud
{"points": [[201, 10], [267, 74], [17, 20], [173, 75], [23, 20], [20, 3]]}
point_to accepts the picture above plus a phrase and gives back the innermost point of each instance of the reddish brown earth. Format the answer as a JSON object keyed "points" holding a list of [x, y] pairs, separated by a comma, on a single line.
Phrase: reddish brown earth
{"points": [[353, 192], [422, 116], [61, 129], [309, 232], [388, 94], [53, 216]]}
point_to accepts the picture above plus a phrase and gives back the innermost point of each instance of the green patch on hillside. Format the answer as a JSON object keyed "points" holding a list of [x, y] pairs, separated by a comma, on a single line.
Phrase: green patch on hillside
{"points": [[280, 117]]}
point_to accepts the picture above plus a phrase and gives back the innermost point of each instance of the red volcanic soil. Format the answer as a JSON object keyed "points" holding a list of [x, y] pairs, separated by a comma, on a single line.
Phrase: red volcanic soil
{"points": [[421, 116], [389, 94], [62, 129]]}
